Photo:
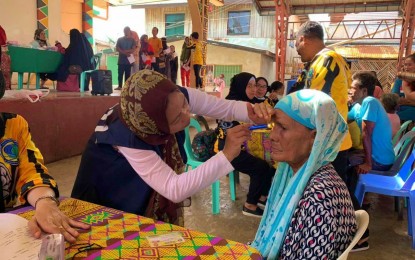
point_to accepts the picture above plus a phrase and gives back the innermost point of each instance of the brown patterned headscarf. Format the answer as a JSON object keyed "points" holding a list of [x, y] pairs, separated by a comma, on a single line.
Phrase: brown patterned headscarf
{"points": [[143, 109]]}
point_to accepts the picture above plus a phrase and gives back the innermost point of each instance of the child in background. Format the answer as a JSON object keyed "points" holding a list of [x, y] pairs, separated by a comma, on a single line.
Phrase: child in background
{"points": [[219, 84], [197, 60], [276, 92], [390, 103]]}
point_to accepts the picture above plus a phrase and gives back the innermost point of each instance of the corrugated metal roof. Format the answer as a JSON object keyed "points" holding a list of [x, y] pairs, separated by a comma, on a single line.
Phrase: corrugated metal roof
{"points": [[368, 52]]}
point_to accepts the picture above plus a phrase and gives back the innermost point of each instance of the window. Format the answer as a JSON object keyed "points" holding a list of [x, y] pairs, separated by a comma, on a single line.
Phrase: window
{"points": [[238, 22], [174, 24]]}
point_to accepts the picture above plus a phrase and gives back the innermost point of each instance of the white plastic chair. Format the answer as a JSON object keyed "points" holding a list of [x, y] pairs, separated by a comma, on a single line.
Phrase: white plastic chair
{"points": [[362, 219]]}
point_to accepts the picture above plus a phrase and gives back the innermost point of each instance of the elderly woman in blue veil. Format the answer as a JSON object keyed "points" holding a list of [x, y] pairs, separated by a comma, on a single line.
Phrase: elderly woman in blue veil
{"points": [[309, 213]]}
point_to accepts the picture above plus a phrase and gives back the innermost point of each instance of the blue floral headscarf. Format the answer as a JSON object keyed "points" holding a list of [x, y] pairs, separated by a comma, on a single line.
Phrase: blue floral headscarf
{"points": [[315, 110]]}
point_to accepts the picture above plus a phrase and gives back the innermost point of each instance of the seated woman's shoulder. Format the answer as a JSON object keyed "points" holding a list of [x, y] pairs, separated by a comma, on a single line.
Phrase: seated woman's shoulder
{"points": [[326, 172], [327, 184]]}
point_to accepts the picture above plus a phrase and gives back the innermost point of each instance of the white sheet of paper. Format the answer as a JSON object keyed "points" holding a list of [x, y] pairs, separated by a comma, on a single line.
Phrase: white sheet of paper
{"points": [[131, 59], [15, 239]]}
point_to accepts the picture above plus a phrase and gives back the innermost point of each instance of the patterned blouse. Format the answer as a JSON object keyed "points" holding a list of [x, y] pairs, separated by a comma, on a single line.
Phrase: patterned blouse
{"points": [[324, 223]]}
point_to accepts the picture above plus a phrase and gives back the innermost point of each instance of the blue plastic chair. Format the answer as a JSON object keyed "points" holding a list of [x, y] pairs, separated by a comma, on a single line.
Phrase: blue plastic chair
{"points": [[96, 59], [194, 163], [402, 150], [400, 185]]}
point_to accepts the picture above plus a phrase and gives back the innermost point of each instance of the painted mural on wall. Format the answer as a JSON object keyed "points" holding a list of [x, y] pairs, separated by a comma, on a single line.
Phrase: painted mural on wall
{"points": [[87, 21], [42, 16]]}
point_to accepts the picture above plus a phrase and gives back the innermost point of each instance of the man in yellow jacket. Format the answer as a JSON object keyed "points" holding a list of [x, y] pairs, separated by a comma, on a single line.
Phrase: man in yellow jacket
{"points": [[327, 71]]}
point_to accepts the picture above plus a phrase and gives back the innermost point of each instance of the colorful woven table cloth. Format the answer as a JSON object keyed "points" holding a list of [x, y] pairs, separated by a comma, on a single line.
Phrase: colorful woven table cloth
{"points": [[115, 234]]}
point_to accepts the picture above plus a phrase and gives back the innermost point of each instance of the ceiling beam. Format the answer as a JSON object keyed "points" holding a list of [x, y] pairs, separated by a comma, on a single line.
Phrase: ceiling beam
{"points": [[334, 8]]}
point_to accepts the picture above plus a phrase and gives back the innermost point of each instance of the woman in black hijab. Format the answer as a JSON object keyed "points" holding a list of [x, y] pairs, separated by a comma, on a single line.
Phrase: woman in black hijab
{"points": [[243, 88], [79, 52]]}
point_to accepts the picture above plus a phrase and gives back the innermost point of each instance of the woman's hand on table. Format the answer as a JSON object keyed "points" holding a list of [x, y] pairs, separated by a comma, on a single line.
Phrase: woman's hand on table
{"points": [[49, 219], [260, 113], [235, 137]]}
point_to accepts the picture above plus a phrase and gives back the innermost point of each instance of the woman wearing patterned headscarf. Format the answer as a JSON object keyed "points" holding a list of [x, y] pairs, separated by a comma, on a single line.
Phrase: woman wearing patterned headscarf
{"points": [[40, 42], [243, 88], [309, 213], [39, 39], [135, 159]]}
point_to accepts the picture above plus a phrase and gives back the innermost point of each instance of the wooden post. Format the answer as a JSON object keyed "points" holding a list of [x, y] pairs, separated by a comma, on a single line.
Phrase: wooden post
{"points": [[281, 25], [407, 35]]}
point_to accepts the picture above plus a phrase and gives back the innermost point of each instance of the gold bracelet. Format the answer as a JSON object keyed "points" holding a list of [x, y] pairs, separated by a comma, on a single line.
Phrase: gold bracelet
{"points": [[48, 197]]}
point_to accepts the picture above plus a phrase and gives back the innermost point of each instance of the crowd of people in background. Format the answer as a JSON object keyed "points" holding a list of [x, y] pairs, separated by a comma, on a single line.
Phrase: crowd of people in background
{"points": [[154, 53]]}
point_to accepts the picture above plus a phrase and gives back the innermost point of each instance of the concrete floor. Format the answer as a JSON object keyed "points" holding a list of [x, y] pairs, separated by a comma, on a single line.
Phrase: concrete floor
{"points": [[388, 236]]}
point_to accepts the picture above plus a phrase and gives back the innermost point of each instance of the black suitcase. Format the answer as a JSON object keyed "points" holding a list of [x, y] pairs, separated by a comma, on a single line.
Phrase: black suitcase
{"points": [[101, 82]]}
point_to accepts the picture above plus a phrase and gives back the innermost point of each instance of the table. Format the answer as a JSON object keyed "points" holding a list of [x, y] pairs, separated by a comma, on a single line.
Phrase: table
{"points": [[123, 235], [33, 60]]}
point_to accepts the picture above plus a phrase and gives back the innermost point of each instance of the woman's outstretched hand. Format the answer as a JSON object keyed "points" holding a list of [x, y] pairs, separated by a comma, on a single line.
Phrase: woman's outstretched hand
{"points": [[235, 137]]}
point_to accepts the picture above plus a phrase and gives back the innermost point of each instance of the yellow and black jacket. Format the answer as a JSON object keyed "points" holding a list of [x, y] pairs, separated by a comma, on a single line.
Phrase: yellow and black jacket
{"points": [[330, 73], [21, 163]]}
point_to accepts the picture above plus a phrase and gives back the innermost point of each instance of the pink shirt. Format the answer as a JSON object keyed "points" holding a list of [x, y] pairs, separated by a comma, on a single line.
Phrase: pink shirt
{"points": [[220, 83], [395, 122], [159, 176]]}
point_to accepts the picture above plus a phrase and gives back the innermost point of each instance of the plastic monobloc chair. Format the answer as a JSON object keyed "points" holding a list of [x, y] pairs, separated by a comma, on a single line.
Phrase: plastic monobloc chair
{"points": [[362, 219], [401, 132], [400, 185], [194, 163], [96, 60], [410, 187], [402, 150]]}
